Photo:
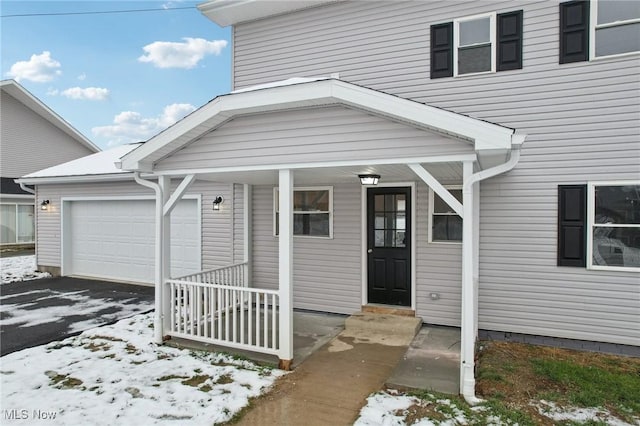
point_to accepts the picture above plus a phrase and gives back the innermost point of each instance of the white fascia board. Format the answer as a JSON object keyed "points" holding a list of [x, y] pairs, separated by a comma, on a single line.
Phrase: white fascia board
{"points": [[230, 12], [295, 166], [76, 179], [485, 135]]}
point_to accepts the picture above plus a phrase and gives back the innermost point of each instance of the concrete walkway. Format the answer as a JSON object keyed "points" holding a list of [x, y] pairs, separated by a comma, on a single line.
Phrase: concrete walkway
{"points": [[331, 386]]}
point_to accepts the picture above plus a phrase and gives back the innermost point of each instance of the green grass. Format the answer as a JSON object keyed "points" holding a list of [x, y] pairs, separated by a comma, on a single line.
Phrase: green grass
{"points": [[592, 386]]}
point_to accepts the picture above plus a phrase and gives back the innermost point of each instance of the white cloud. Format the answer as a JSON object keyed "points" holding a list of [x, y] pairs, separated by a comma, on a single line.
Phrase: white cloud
{"points": [[82, 77], [86, 93], [131, 126], [40, 68], [53, 92], [186, 54]]}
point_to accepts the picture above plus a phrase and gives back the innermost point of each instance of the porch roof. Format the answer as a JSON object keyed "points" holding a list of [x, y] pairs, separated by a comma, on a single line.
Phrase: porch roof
{"points": [[490, 139]]}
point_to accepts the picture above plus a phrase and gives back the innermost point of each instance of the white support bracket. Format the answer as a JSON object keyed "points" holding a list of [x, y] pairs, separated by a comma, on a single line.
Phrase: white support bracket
{"points": [[178, 194], [437, 187]]}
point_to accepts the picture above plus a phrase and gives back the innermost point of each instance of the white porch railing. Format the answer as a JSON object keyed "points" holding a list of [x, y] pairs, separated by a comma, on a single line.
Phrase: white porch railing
{"points": [[217, 307], [233, 275]]}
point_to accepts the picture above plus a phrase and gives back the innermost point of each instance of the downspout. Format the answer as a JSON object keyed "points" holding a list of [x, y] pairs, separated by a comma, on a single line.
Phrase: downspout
{"points": [[469, 331], [157, 320], [27, 189]]}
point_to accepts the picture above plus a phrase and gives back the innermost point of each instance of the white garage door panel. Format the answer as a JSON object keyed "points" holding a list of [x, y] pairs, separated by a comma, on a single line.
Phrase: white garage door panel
{"points": [[115, 239]]}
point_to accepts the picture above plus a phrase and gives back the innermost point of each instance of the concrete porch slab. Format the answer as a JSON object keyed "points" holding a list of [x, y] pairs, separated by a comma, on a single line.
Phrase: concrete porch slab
{"points": [[386, 329], [431, 362]]}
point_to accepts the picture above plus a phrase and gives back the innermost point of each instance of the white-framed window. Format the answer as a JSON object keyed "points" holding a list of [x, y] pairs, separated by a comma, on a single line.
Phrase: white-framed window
{"points": [[614, 27], [17, 223], [474, 44], [445, 226], [312, 211], [613, 225]]}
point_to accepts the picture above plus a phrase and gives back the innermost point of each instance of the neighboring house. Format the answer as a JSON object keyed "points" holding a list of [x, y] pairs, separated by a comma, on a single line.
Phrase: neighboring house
{"points": [[520, 117], [32, 137]]}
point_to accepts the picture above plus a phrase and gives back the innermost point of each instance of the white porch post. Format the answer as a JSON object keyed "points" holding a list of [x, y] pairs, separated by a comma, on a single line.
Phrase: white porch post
{"points": [[285, 267], [468, 314], [247, 232], [165, 250], [476, 254]]}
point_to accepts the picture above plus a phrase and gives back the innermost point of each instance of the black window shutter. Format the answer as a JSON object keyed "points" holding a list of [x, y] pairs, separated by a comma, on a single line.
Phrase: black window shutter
{"points": [[442, 50], [509, 41], [574, 31], [572, 225]]}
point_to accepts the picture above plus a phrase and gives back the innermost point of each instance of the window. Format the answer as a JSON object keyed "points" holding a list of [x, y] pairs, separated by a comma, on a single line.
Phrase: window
{"points": [[613, 239], [444, 224], [17, 223], [600, 28], [312, 212], [477, 44]]}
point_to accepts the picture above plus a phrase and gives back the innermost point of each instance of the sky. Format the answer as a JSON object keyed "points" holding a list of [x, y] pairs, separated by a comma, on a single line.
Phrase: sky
{"points": [[116, 77]]}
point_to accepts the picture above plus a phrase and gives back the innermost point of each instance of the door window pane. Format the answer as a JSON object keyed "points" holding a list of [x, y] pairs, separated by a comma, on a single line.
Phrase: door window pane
{"points": [[7, 223]]}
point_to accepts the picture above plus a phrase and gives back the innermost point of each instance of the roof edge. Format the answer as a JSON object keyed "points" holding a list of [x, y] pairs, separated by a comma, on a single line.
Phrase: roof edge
{"points": [[18, 91], [231, 12]]}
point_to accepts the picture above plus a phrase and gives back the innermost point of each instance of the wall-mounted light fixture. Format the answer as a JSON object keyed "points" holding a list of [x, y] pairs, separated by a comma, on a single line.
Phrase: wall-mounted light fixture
{"points": [[369, 179], [217, 201], [44, 205]]}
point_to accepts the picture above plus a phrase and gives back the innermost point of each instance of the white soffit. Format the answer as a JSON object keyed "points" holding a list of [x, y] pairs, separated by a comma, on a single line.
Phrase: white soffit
{"points": [[230, 12], [319, 92]]}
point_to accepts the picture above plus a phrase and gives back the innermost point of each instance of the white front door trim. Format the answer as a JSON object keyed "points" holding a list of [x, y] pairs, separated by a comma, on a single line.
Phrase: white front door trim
{"points": [[364, 233]]}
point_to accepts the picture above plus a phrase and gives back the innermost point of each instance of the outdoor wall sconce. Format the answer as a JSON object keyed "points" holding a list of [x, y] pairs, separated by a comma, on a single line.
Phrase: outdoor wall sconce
{"points": [[217, 201], [44, 205], [369, 179]]}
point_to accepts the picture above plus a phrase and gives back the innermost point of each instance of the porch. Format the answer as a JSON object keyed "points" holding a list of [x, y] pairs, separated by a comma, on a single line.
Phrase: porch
{"points": [[321, 132]]}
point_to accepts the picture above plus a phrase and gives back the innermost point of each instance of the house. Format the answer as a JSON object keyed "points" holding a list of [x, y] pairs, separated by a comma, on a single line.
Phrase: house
{"points": [[475, 164], [32, 137]]}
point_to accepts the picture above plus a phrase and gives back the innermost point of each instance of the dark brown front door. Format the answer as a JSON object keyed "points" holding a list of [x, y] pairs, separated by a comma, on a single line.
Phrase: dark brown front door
{"points": [[389, 245]]}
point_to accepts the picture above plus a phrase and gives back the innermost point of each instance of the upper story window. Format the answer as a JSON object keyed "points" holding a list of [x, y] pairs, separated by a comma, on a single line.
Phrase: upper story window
{"points": [[616, 28], [477, 44], [600, 28], [312, 212]]}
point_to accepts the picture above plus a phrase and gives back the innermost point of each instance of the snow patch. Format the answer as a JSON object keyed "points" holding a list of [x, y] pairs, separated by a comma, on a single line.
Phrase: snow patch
{"points": [[554, 412], [20, 268], [116, 375]]}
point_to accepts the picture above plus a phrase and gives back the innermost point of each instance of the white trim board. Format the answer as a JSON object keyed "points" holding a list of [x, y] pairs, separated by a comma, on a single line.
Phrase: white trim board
{"points": [[363, 242]]}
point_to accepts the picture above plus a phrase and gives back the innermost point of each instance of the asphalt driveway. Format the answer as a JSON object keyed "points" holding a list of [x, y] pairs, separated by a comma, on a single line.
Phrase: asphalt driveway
{"points": [[37, 312]]}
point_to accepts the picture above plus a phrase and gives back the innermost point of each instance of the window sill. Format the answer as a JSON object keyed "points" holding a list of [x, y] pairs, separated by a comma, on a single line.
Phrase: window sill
{"points": [[449, 243], [471, 74], [613, 57], [614, 268], [310, 237]]}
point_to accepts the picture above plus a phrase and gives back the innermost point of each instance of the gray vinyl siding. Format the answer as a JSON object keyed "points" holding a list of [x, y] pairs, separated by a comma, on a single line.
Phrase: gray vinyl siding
{"points": [[582, 121], [327, 272], [309, 135], [216, 226], [30, 143]]}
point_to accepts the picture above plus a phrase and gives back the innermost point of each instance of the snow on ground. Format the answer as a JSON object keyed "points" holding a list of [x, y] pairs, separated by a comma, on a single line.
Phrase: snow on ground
{"points": [[63, 305], [116, 375], [20, 268], [392, 408]]}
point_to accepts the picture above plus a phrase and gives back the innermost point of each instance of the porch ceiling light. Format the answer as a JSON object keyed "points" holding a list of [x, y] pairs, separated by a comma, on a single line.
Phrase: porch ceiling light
{"points": [[217, 201], [44, 205], [369, 179]]}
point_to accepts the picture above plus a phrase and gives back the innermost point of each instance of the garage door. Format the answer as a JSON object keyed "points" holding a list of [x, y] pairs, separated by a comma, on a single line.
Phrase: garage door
{"points": [[115, 239]]}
